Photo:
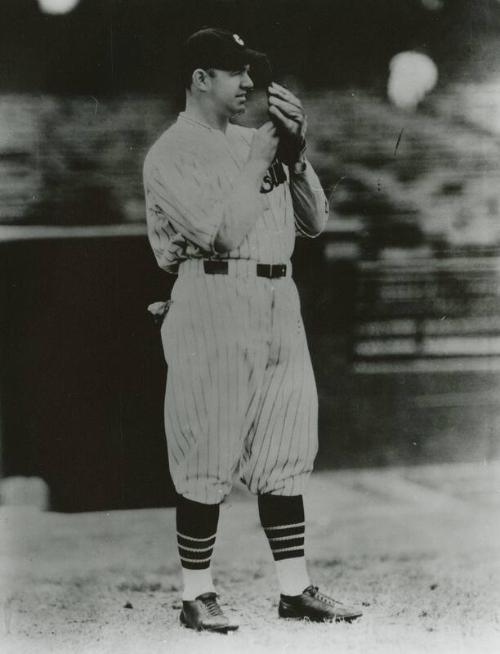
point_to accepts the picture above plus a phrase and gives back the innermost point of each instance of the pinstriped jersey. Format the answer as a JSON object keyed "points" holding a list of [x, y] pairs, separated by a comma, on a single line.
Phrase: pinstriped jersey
{"points": [[187, 174]]}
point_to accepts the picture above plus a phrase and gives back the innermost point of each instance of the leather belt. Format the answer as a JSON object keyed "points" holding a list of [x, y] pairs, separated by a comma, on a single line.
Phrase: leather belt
{"points": [[270, 271]]}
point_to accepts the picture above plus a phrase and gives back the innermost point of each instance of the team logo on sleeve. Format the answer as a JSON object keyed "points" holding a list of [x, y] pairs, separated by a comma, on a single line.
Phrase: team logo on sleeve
{"points": [[274, 176]]}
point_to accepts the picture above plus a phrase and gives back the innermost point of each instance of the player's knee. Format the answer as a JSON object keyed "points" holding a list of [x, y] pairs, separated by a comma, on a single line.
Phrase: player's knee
{"points": [[206, 491], [292, 484]]}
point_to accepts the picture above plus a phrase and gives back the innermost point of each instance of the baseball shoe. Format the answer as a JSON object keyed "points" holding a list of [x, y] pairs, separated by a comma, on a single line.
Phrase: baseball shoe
{"points": [[205, 614], [315, 606]]}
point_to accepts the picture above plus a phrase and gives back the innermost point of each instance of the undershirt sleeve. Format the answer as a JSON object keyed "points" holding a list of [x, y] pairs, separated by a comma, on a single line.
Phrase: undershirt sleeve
{"points": [[310, 206]]}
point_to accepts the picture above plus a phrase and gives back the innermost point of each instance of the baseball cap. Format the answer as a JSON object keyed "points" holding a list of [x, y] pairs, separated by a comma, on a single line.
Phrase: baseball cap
{"points": [[212, 47]]}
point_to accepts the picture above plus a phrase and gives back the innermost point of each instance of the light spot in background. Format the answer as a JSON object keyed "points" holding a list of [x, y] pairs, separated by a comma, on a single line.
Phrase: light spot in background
{"points": [[480, 103], [412, 75], [433, 5], [57, 6]]}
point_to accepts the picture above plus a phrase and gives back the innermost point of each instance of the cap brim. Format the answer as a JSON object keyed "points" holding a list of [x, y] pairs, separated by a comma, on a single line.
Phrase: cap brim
{"points": [[241, 57], [259, 64]]}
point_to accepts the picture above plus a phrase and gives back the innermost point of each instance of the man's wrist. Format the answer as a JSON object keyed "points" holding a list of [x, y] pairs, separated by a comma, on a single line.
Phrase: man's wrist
{"points": [[300, 165]]}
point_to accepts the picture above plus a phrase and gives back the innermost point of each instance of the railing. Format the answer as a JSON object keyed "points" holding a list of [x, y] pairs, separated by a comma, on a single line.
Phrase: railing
{"points": [[432, 308]]}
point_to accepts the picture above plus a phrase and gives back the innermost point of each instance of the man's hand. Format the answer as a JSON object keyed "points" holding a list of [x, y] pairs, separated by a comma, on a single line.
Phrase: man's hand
{"points": [[264, 145], [287, 111]]}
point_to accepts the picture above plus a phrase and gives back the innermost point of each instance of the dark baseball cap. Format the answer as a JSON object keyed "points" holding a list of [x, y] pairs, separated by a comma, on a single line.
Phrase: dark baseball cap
{"points": [[212, 47]]}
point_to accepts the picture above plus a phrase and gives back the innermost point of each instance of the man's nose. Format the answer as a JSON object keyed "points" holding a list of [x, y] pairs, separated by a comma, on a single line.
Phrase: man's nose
{"points": [[247, 82]]}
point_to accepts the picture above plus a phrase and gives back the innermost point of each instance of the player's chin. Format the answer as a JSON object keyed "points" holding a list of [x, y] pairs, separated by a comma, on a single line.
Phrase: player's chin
{"points": [[240, 105]]}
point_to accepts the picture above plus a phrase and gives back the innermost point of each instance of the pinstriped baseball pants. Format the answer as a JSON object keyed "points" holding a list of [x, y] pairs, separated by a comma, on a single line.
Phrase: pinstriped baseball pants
{"points": [[241, 396]]}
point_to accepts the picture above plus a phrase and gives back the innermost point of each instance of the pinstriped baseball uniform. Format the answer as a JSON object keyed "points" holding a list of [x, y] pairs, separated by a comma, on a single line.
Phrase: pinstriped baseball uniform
{"points": [[241, 396]]}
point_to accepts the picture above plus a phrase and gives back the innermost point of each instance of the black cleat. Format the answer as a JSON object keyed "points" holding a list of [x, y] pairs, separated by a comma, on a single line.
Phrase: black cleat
{"points": [[205, 614], [313, 605]]}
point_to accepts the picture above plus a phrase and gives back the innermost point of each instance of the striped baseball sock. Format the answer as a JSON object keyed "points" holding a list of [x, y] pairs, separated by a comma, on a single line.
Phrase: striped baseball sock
{"points": [[196, 532], [284, 524]]}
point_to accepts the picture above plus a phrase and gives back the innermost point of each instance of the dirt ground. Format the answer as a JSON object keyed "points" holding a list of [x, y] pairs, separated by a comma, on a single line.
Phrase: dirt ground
{"points": [[418, 548]]}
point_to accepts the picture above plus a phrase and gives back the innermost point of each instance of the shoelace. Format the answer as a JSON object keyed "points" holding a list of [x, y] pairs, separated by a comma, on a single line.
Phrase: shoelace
{"points": [[210, 603], [315, 592]]}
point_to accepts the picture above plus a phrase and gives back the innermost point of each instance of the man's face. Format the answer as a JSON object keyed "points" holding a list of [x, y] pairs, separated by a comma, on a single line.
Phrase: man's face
{"points": [[229, 90]]}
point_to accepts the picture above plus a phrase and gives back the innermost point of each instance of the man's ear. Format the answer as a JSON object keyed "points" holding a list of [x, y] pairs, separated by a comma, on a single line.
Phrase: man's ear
{"points": [[201, 79]]}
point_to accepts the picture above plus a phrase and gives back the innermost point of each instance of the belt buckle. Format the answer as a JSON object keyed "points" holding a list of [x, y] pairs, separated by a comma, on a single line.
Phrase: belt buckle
{"points": [[277, 270], [271, 271]]}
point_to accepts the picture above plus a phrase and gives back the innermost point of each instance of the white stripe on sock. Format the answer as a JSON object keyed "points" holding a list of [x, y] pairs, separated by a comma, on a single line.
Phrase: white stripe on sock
{"points": [[298, 524], [287, 549], [195, 539], [196, 560], [196, 549], [286, 537]]}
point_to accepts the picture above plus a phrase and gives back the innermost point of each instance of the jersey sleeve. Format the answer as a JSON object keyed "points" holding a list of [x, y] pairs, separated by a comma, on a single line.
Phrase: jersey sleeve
{"points": [[182, 199]]}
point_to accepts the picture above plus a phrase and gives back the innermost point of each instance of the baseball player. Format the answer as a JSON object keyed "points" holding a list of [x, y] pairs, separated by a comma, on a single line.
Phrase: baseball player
{"points": [[224, 204]]}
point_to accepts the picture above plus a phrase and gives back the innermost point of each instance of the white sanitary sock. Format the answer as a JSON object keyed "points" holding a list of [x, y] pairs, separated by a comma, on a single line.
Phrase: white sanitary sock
{"points": [[196, 582], [292, 575]]}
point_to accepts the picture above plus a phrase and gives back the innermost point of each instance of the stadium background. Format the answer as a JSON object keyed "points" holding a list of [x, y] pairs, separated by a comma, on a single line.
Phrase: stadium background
{"points": [[400, 295]]}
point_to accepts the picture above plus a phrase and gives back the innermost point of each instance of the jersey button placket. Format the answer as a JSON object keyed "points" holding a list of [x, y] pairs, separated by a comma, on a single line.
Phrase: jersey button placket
{"points": [[272, 303]]}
